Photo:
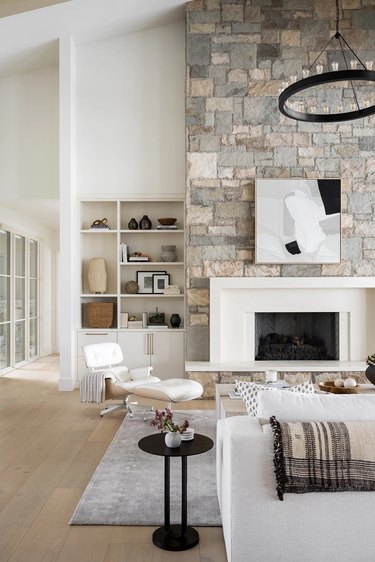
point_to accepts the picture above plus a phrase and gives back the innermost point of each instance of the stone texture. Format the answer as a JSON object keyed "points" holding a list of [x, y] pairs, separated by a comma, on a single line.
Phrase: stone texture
{"points": [[238, 56], [202, 165], [198, 297], [201, 88]]}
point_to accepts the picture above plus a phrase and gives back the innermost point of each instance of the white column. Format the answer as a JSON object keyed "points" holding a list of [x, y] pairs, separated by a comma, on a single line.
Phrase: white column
{"points": [[69, 229]]}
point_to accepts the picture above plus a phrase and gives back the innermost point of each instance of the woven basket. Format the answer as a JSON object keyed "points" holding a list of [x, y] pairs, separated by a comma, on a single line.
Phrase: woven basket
{"points": [[99, 314]]}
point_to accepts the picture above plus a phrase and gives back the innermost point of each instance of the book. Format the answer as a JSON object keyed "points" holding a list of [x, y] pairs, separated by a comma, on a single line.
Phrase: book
{"points": [[138, 258], [166, 227], [123, 254], [124, 317]]}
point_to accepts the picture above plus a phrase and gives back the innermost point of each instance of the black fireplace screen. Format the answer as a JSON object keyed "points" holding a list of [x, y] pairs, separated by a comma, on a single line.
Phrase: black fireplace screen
{"points": [[291, 336]]}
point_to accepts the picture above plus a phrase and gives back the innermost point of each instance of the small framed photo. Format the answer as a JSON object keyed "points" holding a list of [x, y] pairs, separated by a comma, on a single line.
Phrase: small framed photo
{"points": [[160, 282], [145, 281]]}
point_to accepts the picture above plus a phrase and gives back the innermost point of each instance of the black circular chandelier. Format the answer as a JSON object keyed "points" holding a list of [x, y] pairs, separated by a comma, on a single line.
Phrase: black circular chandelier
{"points": [[315, 108]]}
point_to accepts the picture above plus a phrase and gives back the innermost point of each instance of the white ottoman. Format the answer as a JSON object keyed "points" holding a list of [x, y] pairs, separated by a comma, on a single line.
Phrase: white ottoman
{"points": [[171, 390]]}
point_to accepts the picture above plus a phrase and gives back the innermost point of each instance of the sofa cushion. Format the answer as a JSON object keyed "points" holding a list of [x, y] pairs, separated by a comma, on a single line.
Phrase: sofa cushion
{"points": [[249, 392], [287, 406]]}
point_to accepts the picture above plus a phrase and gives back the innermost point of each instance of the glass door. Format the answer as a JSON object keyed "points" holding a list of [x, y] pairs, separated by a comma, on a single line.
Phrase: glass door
{"points": [[33, 299], [19, 299], [4, 299]]}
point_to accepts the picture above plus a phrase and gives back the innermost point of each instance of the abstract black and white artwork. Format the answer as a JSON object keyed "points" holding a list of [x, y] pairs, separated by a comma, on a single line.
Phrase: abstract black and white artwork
{"points": [[298, 220]]}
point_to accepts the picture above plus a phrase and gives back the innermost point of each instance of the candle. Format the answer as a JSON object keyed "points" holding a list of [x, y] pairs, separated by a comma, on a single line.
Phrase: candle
{"points": [[271, 376]]}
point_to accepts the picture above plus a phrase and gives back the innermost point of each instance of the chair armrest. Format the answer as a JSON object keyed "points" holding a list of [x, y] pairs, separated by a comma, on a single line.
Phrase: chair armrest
{"points": [[140, 373]]}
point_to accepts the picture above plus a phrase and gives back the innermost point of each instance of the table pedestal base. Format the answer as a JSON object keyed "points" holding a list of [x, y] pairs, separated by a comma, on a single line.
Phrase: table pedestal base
{"points": [[171, 539]]}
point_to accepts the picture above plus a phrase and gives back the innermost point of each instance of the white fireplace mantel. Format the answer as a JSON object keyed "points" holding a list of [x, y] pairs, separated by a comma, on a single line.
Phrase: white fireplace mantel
{"points": [[234, 301]]}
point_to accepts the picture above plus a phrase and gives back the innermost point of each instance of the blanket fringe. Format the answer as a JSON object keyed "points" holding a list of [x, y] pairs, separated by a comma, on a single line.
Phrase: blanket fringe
{"points": [[278, 459]]}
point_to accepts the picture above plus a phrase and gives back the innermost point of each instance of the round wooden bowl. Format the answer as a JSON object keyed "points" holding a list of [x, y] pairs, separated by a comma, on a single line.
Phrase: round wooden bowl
{"points": [[167, 221], [329, 386]]}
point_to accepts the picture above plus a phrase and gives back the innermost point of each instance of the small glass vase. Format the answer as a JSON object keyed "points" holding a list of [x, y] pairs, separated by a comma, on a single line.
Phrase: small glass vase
{"points": [[173, 439]]}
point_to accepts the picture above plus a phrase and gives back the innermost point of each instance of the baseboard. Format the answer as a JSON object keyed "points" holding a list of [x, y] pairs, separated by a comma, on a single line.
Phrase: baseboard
{"points": [[67, 385]]}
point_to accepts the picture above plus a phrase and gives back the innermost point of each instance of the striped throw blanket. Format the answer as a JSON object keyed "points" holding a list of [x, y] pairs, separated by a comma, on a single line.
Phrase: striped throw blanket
{"points": [[324, 456], [92, 386]]}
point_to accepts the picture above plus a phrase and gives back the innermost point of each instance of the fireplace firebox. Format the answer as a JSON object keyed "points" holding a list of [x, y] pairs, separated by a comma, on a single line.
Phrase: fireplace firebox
{"points": [[296, 336]]}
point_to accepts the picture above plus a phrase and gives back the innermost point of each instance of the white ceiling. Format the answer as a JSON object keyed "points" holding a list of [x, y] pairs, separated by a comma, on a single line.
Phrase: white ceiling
{"points": [[28, 40]]}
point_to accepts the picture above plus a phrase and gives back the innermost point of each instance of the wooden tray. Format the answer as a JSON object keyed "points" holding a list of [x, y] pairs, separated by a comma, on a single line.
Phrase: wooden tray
{"points": [[329, 386]]}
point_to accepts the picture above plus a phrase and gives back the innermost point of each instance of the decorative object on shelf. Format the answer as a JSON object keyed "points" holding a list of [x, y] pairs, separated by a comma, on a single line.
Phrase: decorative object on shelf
{"points": [[124, 319], [370, 371], [172, 290], [298, 221], [167, 221], [131, 287], [159, 282], [132, 224], [144, 319], [135, 324], [175, 320], [168, 253], [139, 257], [145, 223], [145, 281], [97, 275], [164, 422], [156, 318], [349, 102], [99, 314], [123, 253], [100, 224]]}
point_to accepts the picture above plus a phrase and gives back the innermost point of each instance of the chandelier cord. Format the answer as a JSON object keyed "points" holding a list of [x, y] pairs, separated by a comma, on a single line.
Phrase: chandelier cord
{"points": [[347, 67], [337, 17]]}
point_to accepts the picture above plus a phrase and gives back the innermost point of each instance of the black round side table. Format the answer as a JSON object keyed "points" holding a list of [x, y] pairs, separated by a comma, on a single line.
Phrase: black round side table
{"points": [[175, 537]]}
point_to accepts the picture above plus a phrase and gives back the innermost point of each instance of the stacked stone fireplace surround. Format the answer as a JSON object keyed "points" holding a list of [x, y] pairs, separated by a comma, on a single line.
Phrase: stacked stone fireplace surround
{"points": [[238, 55]]}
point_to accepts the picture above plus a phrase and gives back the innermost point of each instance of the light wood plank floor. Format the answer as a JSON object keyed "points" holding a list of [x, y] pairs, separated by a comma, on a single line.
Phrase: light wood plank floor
{"points": [[50, 445]]}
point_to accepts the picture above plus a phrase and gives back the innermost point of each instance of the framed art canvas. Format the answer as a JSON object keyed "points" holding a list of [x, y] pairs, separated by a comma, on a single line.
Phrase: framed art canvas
{"points": [[160, 282], [145, 281], [297, 221]]}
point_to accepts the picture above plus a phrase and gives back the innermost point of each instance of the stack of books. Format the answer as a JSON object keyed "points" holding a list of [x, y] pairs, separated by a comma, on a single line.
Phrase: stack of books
{"points": [[166, 227], [172, 290]]}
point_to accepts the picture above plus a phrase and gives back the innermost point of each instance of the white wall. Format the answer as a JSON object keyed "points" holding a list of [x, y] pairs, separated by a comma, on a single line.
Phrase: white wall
{"points": [[48, 239], [131, 114], [29, 134]]}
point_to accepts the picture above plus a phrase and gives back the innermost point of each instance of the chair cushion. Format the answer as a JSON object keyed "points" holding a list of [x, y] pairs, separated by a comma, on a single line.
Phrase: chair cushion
{"points": [[131, 386], [121, 373], [102, 354], [173, 390]]}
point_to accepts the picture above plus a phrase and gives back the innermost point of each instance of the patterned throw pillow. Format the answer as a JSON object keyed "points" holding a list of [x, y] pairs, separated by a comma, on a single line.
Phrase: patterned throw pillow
{"points": [[249, 392]]}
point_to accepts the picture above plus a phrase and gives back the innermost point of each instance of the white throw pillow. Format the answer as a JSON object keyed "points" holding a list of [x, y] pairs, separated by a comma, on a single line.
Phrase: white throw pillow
{"points": [[249, 393], [291, 407]]}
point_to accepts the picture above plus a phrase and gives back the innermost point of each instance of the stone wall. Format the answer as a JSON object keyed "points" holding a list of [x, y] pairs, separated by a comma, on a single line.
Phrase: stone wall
{"points": [[238, 55]]}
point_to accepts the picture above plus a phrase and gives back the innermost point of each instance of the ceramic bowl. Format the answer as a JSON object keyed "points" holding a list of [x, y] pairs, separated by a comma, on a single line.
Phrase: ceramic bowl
{"points": [[167, 221]]}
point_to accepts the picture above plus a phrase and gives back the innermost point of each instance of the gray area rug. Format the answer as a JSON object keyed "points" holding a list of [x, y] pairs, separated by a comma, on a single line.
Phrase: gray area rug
{"points": [[127, 487]]}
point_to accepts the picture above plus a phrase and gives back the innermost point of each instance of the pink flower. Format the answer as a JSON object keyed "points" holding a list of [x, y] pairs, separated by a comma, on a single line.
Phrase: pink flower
{"points": [[164, 421]]}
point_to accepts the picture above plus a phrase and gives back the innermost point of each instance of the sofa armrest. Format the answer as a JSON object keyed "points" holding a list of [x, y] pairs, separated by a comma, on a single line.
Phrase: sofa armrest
{"points": [[244, 477]]}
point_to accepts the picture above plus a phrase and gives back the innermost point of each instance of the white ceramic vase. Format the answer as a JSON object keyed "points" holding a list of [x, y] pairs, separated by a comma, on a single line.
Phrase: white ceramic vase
{"points": [[97, 275], [173, 439]]}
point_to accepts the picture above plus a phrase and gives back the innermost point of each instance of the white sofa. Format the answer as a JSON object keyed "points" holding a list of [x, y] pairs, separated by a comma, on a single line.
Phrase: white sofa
{"points": [[314, 527]]}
